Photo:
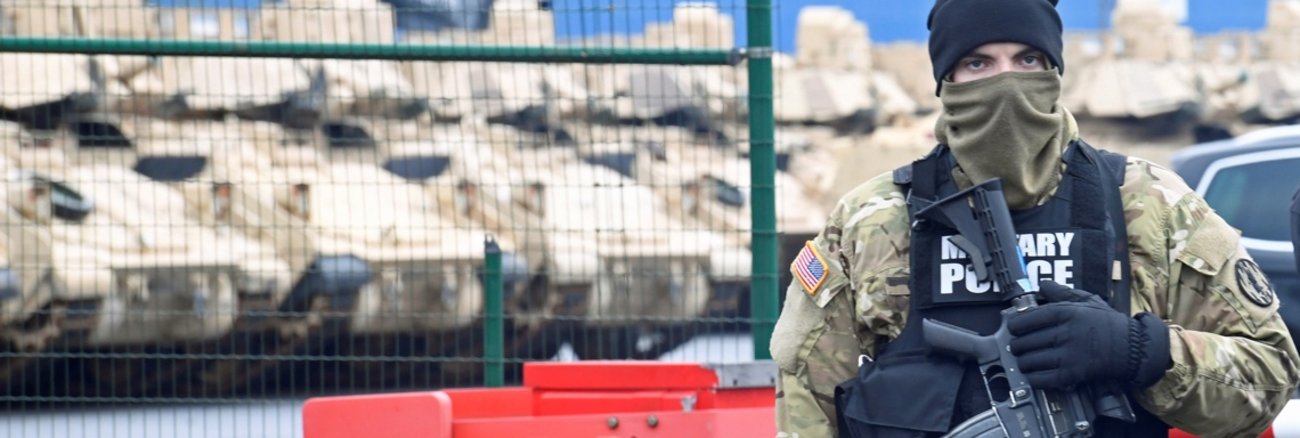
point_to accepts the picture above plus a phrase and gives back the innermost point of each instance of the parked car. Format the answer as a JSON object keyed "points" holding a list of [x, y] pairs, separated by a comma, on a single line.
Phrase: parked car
{"points": [[1249, 181]]}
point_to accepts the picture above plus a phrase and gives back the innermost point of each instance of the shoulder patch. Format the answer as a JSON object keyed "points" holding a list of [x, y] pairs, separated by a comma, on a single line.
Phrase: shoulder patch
{"points": [[809, 268], [1253, 284]]}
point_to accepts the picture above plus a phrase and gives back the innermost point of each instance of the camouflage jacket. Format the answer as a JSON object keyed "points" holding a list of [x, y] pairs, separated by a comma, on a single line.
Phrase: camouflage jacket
{"points": [[1234, 363]]}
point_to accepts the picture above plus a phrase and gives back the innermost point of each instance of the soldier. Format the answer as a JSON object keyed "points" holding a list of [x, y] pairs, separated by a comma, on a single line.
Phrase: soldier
{"points": [[1198, 343]]}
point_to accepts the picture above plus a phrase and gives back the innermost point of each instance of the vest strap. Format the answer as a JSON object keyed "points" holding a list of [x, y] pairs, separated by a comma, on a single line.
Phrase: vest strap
{"points": [[1112, 166]]}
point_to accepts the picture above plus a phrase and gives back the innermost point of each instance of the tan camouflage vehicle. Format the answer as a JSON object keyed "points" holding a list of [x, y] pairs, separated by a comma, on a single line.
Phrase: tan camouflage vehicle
{"points": [[344, 117], [73, 143], [277, 90], [1143, 88], [358, 280], [34, 315], [830, 79], [530, 98], [646, 271], [157, 281], [710, 189], [369, 89], [1271, 94], [48, 92], [92, 18], [549, 278]]}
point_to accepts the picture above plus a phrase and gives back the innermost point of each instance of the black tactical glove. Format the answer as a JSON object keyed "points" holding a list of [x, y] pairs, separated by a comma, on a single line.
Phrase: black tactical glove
{"points": [[1078, 338]]}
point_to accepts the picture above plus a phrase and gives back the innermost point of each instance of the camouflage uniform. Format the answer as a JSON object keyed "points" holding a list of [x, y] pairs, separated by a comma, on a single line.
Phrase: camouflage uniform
{"points": [[1230, 348]]}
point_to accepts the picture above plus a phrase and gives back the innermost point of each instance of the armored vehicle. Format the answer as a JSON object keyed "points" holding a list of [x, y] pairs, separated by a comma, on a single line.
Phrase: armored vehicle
{"points": [[70, 137], [257, 274], [369, 89], [48, 92], [265, 89], [362, 284], [527, 97], [710, 189], [1272, 96], [1143, 87], [420, 153], [611, 252], [1150, 98], [151, 284], [479, 188], [35, 317], [1272, 93]]}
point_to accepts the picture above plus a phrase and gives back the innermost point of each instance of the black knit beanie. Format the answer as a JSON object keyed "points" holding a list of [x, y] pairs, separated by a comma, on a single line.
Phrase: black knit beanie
{"points": [[959, 26]]}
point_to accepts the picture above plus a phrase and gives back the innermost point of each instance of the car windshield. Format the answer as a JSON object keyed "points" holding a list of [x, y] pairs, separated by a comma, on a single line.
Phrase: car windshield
{"points": [[1256, 197]]}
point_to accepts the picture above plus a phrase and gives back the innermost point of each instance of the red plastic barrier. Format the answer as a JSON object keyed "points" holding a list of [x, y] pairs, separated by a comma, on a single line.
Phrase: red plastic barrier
{"points": [[421, 414], [570, 400], [587, 399]]}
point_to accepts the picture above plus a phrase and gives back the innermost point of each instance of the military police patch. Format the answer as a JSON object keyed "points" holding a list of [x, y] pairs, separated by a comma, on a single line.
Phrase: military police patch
{"points": [[809, 268], [1253, 284]]}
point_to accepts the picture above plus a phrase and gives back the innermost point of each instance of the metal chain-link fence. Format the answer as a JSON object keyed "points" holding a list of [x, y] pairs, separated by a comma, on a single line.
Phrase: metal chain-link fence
{"points": [[214, 209], [245, 202]]}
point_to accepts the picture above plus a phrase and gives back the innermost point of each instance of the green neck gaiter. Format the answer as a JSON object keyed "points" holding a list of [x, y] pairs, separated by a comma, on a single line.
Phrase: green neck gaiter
{"points": [[1008, 126]]}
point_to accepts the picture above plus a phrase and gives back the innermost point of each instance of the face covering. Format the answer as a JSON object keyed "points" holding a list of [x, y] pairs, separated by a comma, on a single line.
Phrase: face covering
{"points": [[1007, 126]]}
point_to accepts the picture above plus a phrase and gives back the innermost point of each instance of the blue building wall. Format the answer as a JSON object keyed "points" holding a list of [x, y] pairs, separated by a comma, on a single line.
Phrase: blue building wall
{"points": [[1205, 16], [889, 20]]}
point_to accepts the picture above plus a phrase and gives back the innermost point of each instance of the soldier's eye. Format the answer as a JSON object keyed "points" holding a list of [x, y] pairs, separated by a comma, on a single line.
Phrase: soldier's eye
{"points": [[1032, 60], [976, 64]]}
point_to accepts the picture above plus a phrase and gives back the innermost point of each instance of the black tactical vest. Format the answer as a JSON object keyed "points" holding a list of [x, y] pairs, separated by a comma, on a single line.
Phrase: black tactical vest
{"points": [[1076, 238]]}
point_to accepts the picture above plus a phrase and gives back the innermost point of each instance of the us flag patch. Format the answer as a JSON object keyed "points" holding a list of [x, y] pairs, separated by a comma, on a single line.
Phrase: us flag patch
{"points": [[809, 268]]}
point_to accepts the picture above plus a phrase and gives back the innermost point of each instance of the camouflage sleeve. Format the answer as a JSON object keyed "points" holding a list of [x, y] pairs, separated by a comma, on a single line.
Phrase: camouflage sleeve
{"points": [[817, 339], [805, 405], [1233, 360]]}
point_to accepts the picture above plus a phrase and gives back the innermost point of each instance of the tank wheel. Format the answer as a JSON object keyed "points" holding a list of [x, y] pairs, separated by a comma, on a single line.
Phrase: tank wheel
{"points": [[285, 337], [26, 339], [600, 343], [387, 361], [634, 342], [107, 374], [532, 340], [185, 373], [39, 331]]}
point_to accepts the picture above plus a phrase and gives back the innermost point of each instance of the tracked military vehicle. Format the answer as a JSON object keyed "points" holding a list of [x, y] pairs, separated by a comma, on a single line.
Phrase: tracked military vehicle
{"points": [[709, 189], [356, 115], [358, 281], [1142, 88], [610, 253], [49, 92], [34, 315], [1270, 92], [530, 98], [151, 284], [72, 136]]}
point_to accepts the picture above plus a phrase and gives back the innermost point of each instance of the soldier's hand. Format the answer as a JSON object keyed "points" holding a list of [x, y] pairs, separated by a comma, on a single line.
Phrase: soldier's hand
{"points": [[1078, 338]]}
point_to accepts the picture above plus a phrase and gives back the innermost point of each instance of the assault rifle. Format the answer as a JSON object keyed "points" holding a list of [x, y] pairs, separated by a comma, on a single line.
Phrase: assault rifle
{"points": [[985, 232]]}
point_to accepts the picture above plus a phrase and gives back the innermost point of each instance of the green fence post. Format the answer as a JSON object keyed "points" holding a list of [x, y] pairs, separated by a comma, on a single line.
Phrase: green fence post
{"points": [[762, 164], [493, 368], [398, 52]]}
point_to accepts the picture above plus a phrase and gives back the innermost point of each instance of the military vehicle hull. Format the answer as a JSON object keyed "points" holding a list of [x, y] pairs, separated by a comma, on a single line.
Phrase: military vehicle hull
{"points": [[135, 289], [367, 287]]}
